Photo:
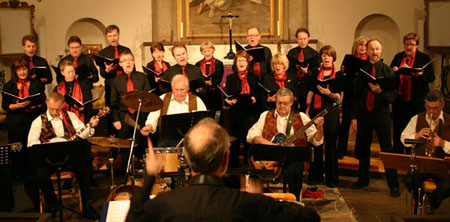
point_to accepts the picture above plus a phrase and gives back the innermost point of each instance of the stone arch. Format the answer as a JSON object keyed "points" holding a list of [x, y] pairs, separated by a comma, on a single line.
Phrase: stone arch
{"points": [[90, 30], [383, 28]]}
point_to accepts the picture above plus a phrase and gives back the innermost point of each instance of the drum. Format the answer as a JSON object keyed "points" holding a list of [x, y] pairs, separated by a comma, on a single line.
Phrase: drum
{"points": [[171, 158], [122, 192]]}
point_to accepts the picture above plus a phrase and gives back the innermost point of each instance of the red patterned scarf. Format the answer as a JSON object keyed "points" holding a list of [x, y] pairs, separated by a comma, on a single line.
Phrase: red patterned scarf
{"points": [[244, 82], [280, 80], [405, 83], [76, 93], [158, 68], [212, 66], [23, 91]]}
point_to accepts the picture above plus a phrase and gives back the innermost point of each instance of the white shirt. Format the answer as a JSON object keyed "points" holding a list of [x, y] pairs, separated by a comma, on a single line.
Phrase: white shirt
{"points": [[258, 127], [410, 131], [175, 107], [57, 123]]}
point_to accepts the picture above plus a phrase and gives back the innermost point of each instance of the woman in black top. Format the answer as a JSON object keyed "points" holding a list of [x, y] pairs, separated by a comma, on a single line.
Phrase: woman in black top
{"points": [[19, 116], [319, 97], [158, 65], [212, 71], [281, 78], [243, 90]]}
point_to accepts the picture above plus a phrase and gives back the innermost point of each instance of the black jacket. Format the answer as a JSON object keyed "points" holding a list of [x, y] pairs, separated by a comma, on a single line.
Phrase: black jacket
{"points": [[207, 199]]}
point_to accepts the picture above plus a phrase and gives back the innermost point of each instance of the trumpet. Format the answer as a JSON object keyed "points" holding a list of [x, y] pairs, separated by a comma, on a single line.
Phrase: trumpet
{"points": [[430, 149]]}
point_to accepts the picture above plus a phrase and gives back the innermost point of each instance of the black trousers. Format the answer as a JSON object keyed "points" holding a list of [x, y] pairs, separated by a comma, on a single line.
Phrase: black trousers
{"points": [[367, 123], [402, 112], [344, 127], [294, 177], [316, 168], [241, 120]]}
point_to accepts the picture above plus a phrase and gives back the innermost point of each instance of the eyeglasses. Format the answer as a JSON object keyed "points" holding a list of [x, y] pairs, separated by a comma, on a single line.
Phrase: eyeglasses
{"points": [[127, 60], [253, 36]]}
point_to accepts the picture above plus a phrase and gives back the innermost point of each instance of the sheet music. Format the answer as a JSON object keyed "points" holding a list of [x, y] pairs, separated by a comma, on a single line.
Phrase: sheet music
{"points": [[117, 211]]}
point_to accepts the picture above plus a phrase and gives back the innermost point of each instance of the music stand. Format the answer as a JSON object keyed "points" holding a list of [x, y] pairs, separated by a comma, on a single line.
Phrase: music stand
{"points": [[282, 154], [56, 156], [174, 126]]}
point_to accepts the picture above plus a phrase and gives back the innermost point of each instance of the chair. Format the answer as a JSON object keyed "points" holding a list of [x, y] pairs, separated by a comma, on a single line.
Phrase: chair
{"points": [[73, 192]]}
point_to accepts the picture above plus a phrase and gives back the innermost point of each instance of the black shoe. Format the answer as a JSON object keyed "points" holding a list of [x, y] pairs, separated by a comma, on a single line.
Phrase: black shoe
{"points": [[341, 156], [395, 192], [90, 213], [359, 185]]}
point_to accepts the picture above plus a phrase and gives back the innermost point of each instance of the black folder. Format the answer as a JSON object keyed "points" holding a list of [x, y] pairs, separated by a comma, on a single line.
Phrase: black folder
{"points": [[100, 60], [149, 71], [39, 71], [72, 102], [313, 62], [257, 53], [336, 84], [30, 98], [408, 70], [270, 92], [386, 83]]}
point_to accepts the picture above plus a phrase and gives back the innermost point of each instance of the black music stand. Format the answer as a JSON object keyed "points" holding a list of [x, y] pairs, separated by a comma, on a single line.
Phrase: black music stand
{"points": [[282, 154], [56, 156], [174, 126]]}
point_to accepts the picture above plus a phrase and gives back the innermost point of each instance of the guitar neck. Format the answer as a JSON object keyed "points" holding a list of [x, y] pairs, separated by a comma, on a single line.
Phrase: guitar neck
{"points": [[78, 133], [290, 140]]}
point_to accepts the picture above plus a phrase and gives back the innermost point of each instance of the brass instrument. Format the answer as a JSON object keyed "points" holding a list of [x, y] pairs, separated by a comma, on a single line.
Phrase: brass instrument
{"points": [[429, 148]]}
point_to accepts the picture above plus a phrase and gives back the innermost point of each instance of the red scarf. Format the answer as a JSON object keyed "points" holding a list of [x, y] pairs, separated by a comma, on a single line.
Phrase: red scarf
{"points": [[370, 100], [158, 69], [212, 66], [363, 56], [23, 91], [320, 76], [245, 87], [257, 68], [76, 93], [405, 83], [280, 80]]}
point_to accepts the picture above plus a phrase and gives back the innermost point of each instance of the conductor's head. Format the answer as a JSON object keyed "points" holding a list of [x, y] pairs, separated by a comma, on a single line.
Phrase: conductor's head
{"points": [[206, 146]]}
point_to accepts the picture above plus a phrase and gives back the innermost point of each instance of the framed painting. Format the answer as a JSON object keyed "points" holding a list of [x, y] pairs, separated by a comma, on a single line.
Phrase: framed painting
{"points": [[203, 18]]}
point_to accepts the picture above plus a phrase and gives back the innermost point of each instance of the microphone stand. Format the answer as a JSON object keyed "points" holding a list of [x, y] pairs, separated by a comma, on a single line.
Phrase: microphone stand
{"points": [[230, 17], [130, 157]]}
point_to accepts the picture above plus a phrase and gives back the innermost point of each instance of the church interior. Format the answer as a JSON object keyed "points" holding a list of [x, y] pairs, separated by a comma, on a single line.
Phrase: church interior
{"points": [[143, 22]]}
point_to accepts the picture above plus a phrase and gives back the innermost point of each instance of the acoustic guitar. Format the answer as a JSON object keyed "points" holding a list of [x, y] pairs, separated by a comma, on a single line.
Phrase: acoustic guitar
{"points": [[283, 140]]}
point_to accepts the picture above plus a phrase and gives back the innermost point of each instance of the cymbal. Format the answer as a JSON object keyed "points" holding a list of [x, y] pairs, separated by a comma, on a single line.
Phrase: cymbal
{"points": [[111, 142], [150, 101]]}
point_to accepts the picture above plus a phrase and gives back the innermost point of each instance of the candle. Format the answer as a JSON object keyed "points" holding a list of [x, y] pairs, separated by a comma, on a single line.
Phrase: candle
{"points": [[278, 28], [181, 30]]}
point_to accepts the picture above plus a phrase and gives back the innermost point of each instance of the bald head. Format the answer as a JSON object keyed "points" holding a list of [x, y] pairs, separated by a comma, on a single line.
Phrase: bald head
{"points": [[180, 87], [206, 147]]}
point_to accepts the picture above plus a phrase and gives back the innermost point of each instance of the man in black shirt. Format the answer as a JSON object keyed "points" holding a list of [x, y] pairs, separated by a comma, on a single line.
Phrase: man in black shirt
{"points": [[180, 54], [206, 198], [261, 69], [303, 52], [129, 80], [109, 71], [86, 68], [370, 112], [38, 66]]}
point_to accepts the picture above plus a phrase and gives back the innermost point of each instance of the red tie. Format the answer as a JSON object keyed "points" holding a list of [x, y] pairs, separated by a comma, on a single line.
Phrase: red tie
{"points": [[31, 62], [257, 69], [75, 62], [130, 88], [184, 71], [301, 57], [370, 96], [116, 56]]}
